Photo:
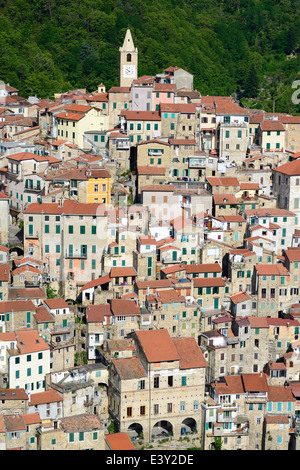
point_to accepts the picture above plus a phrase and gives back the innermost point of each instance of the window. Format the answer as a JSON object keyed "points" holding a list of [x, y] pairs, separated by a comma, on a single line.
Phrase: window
{"points": [[129, 411], [142, 410], [156, 382], [141, 385], [183, 381]]}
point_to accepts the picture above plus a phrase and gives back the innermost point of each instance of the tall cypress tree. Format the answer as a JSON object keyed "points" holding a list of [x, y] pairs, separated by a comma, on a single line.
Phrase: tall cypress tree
{"points": [[251, 87]]}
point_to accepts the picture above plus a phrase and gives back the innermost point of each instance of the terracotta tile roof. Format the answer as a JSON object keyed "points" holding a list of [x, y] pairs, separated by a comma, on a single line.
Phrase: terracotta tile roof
{"points": [[232, 385], [203, 268], [224, 199], [169, 295], [127, 271], [13, 394], [43, 316], [124, 307], [56, 303], [182, 142], [271, 125], [96, 282], [239, 297], [158, 284], [14, 423], [282, 322], [68, 207], [15, 293], [258, 322], [223, 181], [190, 354], [24, 269], [255, 382], [22, 156], [17, 306], [232, 218], [49, 396], [164, 87], [97, 313], [8, 336], [119, 89], [269, 212], [29, 341], [119, 441], [292, 254], [277, 419], [280, 393], [98, 173], [70, 116], [82, 422], [129, 368], [98, 97], [229, 107], [277, 269], [146, 240], [157, 345], [173, 269], [249, 186], [151, 170], [32, 418], [4, 272], [208, 282], [291, 168]]}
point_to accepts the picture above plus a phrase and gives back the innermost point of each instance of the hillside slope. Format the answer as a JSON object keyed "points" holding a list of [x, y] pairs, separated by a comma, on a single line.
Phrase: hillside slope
{"points": [[47, 46]]}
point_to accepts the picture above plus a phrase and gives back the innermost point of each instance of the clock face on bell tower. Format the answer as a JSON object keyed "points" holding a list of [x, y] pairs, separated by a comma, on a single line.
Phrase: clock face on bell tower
{"points": [[129, 71]]}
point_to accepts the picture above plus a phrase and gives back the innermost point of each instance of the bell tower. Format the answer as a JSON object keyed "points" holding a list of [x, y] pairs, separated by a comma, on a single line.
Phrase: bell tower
{"points": [[128, 61]]}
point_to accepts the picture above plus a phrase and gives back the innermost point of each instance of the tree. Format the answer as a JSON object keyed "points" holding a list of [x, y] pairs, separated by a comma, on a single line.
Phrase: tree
{"points": [[218, 443], [251, 87]]}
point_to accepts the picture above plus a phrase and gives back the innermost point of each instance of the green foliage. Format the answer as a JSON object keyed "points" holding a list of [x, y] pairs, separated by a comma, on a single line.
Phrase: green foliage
{"points": [[218, 443], [51, 293], [49, 46]]}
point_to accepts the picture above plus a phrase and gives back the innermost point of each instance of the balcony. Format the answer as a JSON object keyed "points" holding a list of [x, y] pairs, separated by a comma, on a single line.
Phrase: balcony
{"points": [[197, 162], [123, 145], [76, 255], [32, 235], [256, 397], [155, 153]]}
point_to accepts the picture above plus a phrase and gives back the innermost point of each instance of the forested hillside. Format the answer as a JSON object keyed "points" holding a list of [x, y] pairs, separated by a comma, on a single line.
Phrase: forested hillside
{"points": [[47, 46]]}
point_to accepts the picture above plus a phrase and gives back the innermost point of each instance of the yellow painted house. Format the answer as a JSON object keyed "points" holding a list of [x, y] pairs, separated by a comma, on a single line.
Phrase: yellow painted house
{"points": [[98, 186], [78, 119]]}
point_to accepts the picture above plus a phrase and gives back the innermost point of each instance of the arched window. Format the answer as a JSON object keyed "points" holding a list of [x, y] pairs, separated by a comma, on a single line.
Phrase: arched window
{"points": [[128, 57]]}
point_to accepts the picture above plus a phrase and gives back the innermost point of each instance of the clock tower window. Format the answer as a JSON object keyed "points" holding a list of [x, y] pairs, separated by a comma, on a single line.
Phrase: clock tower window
{"points": [[128, 57]]}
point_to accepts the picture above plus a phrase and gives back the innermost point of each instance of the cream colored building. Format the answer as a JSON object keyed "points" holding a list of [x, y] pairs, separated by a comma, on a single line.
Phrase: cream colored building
{"points": [[157, 393]]}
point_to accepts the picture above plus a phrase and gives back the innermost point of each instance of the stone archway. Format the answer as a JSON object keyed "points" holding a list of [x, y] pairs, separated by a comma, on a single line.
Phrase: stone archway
{"points": [[135, 430], [162, 429], [188, 426]]}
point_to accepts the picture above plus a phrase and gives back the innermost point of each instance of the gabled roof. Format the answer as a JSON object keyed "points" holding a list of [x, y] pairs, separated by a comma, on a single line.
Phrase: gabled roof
{"points": [[290, 169], [157, 345], [97, 313], [129, 368], [224, 199], [190, 354], [277, 269], [203, 268], [119, 441]]}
